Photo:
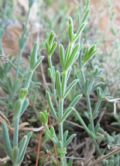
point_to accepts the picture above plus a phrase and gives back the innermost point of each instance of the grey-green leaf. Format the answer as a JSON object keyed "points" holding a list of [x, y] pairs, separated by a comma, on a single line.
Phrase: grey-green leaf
{"points": [[8, 146], [23, 146], [89, 54]]}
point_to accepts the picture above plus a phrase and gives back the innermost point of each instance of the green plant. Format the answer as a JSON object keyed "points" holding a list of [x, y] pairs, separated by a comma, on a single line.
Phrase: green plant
{"points": [[61, 87], [17, 148]]}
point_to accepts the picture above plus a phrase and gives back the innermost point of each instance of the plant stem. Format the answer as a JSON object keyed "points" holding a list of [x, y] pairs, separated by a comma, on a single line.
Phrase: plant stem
{"points": [[92, 121], [90, 113], [61, 132]]}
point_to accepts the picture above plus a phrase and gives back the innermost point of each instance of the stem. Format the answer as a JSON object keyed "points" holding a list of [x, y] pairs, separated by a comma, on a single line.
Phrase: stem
{"points": [[25, 36], [90, 112], [92, 121], [61, 102], [61, 132]]}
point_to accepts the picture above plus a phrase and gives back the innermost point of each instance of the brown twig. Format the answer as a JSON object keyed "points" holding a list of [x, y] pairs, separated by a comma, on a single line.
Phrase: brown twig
{"points": [[38, 149], [100, 159]]}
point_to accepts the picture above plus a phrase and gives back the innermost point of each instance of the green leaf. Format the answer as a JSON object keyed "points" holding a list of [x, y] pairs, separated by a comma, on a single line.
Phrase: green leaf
{"points": [[65, 136], [68, 52], [15, 155], [53, 48], [24, 106], [51, 73], [71, 29], [81, 28], [89, 54], [70, 87], [43, 116], [62, 55], [58, 84], [51, 106], [8, 146], [52, 135], [18, 106], [78, 116], [16, 131], [69, 140], [74, 101], [23, 146], [66, 114], [23, 93], [38, 63], [34, 56], [51, 44], [83, 21], [47, 47], [74, 55], [51, 39]]}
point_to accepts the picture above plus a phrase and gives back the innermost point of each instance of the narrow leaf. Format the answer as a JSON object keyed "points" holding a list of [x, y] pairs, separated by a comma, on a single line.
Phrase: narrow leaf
{"points": [[70, 87], [16, 131], [70, 139], [23, 146], [53, 48], [73, 57], [15, 154], [51, 105], [71, 29], [66, 114], [62, 55], [8, 146], [74, 101], [58, 84], [24, 106], [89, 54]]}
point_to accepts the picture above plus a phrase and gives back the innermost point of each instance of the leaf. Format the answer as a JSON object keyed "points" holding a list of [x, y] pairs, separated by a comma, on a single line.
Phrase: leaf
{"points": [[51, 105], [89, 54], [15, 154], [51, 73], [58, 84], [62, 55], [78, 116], [23, 93], [83, 21], [16, 131], [47, 47], [65, 136], [74, 101], [8, 146], [53, 48], [52, 135], [38, 62], [71, 29], [66, 114], [69, 140], [43, 116], [24, 106], [51, 39], [71, 85], [23, 146], [34, 55], [73, 57]]}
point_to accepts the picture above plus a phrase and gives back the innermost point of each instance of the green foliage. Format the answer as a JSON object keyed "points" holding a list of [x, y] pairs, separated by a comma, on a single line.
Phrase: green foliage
{"points": [[76, 92], [60, 85], [17, 149]]}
